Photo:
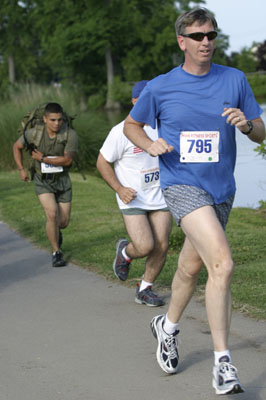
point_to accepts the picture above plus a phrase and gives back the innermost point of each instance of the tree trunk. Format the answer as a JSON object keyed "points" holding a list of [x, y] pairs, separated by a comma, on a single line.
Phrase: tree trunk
{"points": [[11, 69], [111, 104]]}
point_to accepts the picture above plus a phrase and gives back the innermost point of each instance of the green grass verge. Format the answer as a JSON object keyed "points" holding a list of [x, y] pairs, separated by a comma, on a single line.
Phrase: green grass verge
{"points": [[96, 224]]}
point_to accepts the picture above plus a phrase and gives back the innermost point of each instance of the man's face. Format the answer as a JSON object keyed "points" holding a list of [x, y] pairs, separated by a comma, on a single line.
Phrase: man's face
{"points": [[197, 53], [53, 122]]}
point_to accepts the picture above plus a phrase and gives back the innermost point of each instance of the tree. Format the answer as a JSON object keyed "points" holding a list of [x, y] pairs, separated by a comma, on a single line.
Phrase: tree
{"points": [[17, 39], [261, 56], [246, 61], [93, 44]]}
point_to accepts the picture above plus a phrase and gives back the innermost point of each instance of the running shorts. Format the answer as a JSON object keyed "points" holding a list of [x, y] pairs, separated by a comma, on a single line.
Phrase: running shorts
{"points": [[183, 199], [60, 186]]}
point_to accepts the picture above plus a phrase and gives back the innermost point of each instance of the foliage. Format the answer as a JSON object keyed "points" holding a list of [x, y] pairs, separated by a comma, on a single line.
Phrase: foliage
{"points": [[245, 61], [261, 56], [67, 40], [19, 40], [257, 82]]}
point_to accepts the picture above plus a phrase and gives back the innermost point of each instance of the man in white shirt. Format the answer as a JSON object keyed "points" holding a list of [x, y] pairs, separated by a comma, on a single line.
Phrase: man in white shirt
{"points": [[136, 180]]}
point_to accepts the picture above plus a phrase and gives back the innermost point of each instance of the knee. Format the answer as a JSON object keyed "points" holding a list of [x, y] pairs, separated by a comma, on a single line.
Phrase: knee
{"points": [[221, 272], [162, 247], [64, 223], [51, 215], [144, 248], [189, 271]]}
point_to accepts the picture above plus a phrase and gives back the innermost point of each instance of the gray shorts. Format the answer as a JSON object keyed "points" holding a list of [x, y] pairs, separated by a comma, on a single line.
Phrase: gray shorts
{"points": [[139, 211], [183, 199]]}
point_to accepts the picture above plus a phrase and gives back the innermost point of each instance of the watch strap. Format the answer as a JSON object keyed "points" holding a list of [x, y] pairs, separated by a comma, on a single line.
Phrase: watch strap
{"points": [[251, 126]]}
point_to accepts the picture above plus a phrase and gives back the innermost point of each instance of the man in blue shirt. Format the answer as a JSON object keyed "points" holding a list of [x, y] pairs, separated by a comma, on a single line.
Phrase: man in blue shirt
{"points": [[197, 107]]}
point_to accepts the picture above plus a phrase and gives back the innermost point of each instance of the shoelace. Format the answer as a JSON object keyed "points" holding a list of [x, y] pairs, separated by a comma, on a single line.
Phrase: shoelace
{"points": [[228, 370], [150, 291], [172, 345]]}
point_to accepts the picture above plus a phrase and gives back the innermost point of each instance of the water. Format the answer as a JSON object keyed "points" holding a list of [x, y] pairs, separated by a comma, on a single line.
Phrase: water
{"points": [[249, 172]]}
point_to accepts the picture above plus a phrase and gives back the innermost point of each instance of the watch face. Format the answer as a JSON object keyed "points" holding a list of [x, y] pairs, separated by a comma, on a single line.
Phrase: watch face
{"points": [[250, 124]]}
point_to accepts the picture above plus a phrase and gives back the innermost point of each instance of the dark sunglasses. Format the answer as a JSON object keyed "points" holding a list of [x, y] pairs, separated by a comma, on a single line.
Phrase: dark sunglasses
{"points": [[199, 36]]}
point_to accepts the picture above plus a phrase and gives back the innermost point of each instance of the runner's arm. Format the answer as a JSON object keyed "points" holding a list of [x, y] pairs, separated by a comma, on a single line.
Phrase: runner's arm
{"points": [[236, 117], [64, 161], [257, 134], [126, 194], [17, 152], [136, 134]]}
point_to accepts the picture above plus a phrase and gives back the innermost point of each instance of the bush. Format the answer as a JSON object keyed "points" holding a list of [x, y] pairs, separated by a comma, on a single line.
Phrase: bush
{"points": [[257, 82]]}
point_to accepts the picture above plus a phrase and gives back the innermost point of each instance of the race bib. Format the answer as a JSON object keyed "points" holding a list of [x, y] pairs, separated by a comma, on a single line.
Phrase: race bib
{"points": [[150, 178], [49, 168], [199, 146]]}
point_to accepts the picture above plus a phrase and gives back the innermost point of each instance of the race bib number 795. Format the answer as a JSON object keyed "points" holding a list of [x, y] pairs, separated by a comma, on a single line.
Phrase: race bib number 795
{"points": [[199, 146]]}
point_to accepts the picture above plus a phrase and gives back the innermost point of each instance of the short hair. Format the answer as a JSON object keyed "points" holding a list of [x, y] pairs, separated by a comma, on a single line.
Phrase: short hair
{"points": [[54, 108], [200, 15]]}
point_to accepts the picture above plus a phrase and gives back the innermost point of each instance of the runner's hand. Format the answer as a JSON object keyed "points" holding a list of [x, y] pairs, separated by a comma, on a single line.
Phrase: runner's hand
{"points": [[236, 117], [24, 175], [160, 146], [126, 194], [36, 155]]}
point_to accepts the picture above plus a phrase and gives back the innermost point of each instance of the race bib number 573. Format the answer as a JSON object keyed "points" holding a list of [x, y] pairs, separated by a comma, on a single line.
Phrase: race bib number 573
{"points": [[199, 146], [150, 178]]}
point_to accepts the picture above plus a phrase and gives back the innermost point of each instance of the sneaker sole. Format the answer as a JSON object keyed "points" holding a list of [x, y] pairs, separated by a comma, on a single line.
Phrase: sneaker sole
{"points": [[138, 301], [59, 265], [158, 352], [237, 388], [116, 252]]}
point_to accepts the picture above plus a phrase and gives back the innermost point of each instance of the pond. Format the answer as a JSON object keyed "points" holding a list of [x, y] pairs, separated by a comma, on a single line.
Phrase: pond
{"points": [[249, 172]]}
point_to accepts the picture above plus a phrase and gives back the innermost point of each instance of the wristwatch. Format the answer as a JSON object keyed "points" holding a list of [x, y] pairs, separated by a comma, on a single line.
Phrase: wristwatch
{"points": [[42, 158], [251, 126]]}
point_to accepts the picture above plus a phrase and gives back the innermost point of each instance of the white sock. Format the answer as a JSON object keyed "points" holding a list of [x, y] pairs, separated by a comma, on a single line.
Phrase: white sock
{"points": [[169, 327], [144, 285], [128, 259], [219, 354]]}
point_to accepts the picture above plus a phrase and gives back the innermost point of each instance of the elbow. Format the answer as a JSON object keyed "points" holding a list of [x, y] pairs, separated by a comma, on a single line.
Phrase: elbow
{"points": [[261, 138], [68, 162]]}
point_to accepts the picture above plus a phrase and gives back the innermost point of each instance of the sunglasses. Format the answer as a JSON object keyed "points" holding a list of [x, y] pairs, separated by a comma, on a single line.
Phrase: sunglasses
{"points": [[199, 36]]}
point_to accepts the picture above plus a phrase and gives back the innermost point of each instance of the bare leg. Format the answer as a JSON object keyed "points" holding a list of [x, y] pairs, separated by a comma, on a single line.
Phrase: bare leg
{"points": [[184, 281], [149, 237], [207, 237], [50, 207], [64, 210], [161, 225]]}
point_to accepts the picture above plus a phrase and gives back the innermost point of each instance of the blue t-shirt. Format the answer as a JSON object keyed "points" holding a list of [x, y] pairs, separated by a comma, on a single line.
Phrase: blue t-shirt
{"points": [[180, 102]]}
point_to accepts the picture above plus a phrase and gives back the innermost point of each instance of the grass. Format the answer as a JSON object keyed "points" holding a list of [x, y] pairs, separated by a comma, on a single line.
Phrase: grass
{"points": [[96, 224]]}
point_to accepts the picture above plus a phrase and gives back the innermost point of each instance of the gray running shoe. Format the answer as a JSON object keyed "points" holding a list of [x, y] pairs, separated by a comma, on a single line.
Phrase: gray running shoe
{"points": [[148, 297], [167, 350], [225, 380], [58, 260], [120, 265]]}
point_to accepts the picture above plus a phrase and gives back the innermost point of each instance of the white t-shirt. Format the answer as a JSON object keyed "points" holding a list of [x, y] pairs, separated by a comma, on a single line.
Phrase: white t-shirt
{"points": [[134, 168]]}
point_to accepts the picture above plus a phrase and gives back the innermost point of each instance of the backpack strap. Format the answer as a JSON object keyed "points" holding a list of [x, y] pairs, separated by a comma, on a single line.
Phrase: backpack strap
{"points": [[38, 133]]}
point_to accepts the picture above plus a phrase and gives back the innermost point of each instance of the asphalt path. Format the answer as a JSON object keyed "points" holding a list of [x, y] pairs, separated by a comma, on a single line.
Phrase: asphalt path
{"points": [[69, 334]]}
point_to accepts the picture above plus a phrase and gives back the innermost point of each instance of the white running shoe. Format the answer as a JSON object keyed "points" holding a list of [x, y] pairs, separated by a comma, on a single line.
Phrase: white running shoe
{"points": [[167, 350], [225, 380]]}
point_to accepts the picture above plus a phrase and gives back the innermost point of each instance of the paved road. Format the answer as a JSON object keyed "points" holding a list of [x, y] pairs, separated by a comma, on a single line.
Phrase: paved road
{"points": [[68, 334]]}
